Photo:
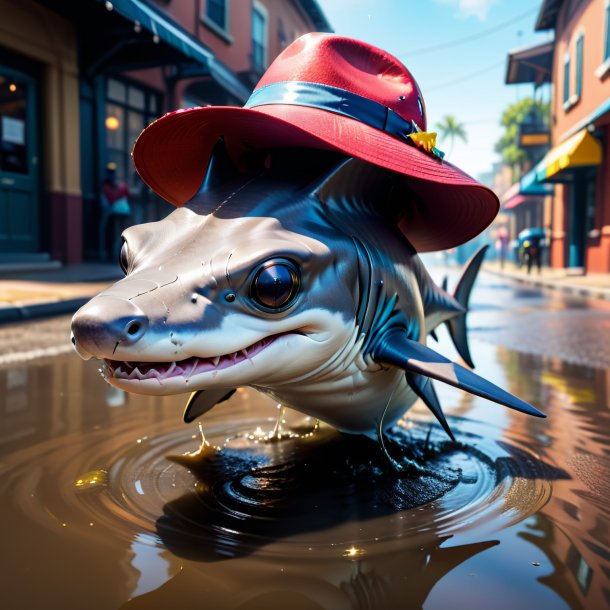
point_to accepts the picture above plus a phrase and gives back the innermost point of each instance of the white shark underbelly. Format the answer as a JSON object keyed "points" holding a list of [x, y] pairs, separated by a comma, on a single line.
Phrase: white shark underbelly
{"points": [[351, 392], [358, 404]]}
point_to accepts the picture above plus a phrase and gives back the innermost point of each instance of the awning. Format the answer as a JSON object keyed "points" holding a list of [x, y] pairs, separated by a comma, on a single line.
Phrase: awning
{"points": [[581, 150], [172, 34], [529, 185], [513, 197], [531, 64], [524, 190], [513, 191], [515, 201], [547, 15]]}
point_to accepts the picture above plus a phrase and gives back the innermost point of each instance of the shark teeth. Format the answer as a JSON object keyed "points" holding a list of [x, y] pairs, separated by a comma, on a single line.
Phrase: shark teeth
{"points": [[184, 368]]}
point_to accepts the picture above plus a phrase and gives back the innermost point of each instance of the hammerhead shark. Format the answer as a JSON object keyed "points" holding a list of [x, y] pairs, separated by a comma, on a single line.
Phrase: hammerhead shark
{"points": [[289, 275]]}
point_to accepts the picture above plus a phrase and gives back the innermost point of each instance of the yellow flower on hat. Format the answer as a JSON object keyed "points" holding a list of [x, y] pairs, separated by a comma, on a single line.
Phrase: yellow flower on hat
{"points": [[427, 141]]}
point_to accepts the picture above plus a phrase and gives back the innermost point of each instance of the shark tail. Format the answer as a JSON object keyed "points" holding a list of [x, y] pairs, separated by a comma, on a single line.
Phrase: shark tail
{"points": [[457, 324]]}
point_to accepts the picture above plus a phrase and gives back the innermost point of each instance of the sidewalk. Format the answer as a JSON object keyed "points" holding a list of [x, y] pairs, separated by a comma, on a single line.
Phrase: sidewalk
{"points": [[54, 291], [63, 290], [595, 285]]}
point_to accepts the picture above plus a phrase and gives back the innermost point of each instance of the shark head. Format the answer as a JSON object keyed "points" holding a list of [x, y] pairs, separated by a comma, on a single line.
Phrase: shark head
{"points": [[228, 291], [293, 277]]}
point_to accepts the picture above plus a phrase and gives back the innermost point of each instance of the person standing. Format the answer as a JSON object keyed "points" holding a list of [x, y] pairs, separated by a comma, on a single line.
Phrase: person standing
{"points": [[502, 244], [116, 212]]}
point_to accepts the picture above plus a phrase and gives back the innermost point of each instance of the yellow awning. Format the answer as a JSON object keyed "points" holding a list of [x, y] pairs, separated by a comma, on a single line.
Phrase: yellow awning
{"points": [[580, 150]]}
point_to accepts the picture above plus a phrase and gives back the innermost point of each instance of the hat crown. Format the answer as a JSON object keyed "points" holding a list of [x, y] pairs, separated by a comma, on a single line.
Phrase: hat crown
{"points": [[351, 65]]}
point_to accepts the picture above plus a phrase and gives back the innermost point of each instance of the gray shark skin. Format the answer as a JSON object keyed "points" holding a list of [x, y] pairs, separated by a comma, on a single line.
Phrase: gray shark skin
{"points": [[290, 276]]}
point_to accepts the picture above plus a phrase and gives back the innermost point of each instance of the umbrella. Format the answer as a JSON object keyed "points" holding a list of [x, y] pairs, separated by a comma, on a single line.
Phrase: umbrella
{"points": [[532, 233]]}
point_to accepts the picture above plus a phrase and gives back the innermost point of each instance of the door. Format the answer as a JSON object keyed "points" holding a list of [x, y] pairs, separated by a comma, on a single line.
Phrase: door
{"points": [[19, 186]]}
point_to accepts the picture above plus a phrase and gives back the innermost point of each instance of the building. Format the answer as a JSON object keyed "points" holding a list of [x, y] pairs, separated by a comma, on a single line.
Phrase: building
{"points": [[578, 163], [527, 203], [80, 79]]}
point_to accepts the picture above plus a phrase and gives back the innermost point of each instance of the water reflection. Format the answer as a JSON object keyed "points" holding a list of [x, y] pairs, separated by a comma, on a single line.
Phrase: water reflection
{"points": [[401, 579], [573, 529], [151, 561]]}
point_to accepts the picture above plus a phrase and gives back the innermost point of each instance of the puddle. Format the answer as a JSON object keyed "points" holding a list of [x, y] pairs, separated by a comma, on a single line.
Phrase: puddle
{"points": [[513, 515]]}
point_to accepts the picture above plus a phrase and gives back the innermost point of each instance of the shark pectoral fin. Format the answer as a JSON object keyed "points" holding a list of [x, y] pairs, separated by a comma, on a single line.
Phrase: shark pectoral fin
{"points": [[202, 401], [423, 387], [396, 349]]}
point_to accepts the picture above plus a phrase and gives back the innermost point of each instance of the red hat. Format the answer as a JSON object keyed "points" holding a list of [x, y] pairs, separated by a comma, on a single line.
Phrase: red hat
{"points": [[334, 93]]}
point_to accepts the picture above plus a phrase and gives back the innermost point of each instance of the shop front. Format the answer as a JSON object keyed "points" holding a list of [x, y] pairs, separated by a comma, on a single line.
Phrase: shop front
{"points": [[78, 83], [573, 164], [40, 197]]}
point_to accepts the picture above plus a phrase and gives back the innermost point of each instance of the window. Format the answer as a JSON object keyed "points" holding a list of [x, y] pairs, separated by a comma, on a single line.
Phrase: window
{"points": [[282, 39], [217, 12], [128, 110], [566, 79], [259, 37], [607, 32], [15, 114], [579, 51]]}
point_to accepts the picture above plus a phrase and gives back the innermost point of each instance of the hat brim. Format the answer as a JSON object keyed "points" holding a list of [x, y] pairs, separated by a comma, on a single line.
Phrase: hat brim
{"points": [[171, 156]]}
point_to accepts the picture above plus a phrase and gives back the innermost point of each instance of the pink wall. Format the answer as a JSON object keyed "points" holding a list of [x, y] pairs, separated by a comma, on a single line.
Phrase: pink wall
{"points": [[586, 17], [589, 18], [294, 21], [235, 51], [234, 47]]}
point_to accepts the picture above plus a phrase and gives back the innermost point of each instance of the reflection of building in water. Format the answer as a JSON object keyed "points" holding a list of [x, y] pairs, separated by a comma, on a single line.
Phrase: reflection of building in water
{"points": [[573, 528], [65, 395], [16, 419]]}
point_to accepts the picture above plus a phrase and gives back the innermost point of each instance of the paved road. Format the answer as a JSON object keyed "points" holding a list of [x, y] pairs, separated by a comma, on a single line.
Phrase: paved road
{"points": [[573, 329]]}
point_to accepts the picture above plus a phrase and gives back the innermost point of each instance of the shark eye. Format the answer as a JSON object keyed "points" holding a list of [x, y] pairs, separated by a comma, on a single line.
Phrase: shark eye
{"points": [[275, 284], [124, 258]]}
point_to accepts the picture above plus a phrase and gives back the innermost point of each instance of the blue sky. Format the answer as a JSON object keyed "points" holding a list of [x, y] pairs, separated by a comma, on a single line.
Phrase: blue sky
{"points": [[465, 80]]}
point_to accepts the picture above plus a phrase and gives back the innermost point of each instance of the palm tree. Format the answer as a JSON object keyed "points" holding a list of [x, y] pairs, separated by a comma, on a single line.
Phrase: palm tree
{"points": [[451, 129]]}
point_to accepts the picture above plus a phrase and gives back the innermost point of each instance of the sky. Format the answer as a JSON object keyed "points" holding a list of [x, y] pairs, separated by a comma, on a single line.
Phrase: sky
{"points": [[457, 76]]}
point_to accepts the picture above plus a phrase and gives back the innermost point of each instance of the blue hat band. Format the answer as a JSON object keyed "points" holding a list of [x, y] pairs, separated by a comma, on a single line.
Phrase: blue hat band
{"points": [[335, 100]]}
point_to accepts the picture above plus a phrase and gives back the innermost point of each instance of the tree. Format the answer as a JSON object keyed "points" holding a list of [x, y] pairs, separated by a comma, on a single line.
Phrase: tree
{"points": [[451, 129], [517, 158]]}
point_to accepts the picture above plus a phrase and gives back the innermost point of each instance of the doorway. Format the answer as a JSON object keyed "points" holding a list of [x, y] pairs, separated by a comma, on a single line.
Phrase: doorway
{"points": [[19, 166]]}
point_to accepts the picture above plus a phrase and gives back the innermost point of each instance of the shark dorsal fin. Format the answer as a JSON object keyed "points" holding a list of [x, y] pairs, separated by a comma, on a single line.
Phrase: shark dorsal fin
{"points": [[362, 183], [220, 168]]}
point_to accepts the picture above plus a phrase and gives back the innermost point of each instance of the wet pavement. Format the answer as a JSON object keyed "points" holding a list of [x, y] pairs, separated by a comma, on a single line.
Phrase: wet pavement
{"points": [[515, 514]]}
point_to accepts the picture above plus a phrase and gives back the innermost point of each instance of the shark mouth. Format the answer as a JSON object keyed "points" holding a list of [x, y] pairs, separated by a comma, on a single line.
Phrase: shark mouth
{"points": [[194, 365]]}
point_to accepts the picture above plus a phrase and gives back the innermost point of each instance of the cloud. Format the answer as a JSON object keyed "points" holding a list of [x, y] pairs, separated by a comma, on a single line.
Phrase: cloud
{"points": [[470, 8]]}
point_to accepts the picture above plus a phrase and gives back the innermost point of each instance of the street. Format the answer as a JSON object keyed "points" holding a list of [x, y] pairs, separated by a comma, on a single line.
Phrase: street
{"points": [[84, 466]]}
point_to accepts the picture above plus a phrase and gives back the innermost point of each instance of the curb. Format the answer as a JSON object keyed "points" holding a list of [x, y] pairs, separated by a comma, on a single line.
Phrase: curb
{"points": [[15, 313], [571, 289]]}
